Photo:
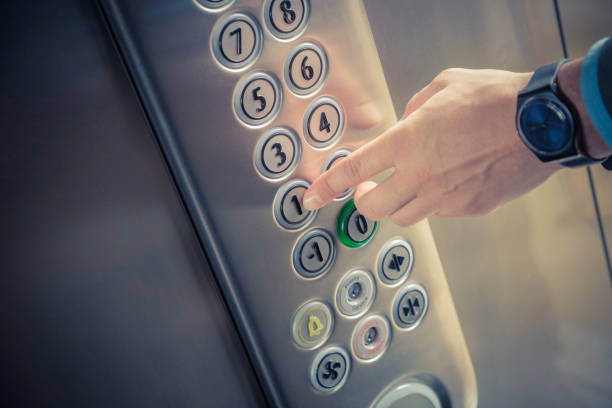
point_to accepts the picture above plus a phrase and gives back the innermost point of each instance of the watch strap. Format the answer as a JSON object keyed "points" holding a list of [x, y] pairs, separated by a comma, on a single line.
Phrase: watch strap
{"points": [[544, 77]]}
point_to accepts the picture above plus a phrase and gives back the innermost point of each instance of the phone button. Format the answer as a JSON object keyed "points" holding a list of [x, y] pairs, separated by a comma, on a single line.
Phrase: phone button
{"points": [[410, 306], [257, 99], [312, 324], [354, 229], [371, 337], [323, 122], [286, 19], [236, 41], [355, 293], [395, 261], [305, 68], [277, 153], [330, 369], [330, 161], [288, 209], [314, 253]]}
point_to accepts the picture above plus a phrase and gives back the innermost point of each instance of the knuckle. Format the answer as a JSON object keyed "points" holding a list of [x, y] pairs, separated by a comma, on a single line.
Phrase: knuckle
{"points": [[352, 169], [400, 219]]}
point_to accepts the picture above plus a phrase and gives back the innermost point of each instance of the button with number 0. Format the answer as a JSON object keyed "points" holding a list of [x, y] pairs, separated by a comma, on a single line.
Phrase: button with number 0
{"points": [[323, 122], [277, 153], [314, 253], [236, 41], [354, 229], [305, 68], [286, 19], [257, 99], [288, 209]]}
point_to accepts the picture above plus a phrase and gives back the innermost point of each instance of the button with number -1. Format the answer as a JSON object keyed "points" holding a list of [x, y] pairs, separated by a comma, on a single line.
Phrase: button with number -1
{"points": [[288, 209], [314, 253], [354, 229], [236, 41], [257, 99], [323, 122]]}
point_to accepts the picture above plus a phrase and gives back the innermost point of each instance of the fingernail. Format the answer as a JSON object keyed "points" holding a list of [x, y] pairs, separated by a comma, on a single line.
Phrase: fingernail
{"points": [[312, 201]]}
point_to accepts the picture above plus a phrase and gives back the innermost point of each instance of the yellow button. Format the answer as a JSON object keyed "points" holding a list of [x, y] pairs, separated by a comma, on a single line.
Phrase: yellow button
{"points": [[312, 324]]}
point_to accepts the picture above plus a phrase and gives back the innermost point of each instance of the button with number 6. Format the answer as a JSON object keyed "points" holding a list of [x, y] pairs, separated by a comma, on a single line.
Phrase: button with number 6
{"points": [[323, 123], [277, 153], [354, 229], [305, 68], [257, 99]]}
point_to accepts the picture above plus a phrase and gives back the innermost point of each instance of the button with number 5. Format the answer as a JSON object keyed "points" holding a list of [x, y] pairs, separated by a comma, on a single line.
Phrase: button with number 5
{"points": [[286, 19], [288, 209], [236, 41], [277, 153], [305, 68], [323, 123], [257, 99]]}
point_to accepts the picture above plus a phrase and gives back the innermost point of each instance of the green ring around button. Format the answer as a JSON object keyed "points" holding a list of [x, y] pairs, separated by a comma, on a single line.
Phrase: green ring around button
{"points": [[342, 227]]}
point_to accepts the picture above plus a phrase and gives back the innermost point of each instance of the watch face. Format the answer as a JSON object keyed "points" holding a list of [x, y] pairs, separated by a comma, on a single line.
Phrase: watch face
{"points": [[545, 125]]}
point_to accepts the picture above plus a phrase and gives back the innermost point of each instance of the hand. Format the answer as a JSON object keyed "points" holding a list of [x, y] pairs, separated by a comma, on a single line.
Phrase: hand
{"points": [[455, 153]]}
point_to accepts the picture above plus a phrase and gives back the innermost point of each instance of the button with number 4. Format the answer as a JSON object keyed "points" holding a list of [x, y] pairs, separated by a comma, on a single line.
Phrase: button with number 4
{"points": [[277, 153], [257, 99], [305, 68], [354, 229], [288, 209], [323, 122], [314, 253], [236, 41], [286, 19]]}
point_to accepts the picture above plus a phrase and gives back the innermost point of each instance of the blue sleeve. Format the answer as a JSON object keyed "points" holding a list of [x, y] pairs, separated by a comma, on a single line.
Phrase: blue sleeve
{"points": [[596, 86]]}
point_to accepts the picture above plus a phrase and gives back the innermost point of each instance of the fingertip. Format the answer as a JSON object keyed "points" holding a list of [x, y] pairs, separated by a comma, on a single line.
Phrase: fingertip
{"points": [[312, 200]]}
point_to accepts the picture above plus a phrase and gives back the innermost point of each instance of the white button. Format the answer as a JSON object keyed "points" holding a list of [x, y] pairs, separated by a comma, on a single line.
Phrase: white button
{"points": [[277, 153], [371, 337], [355, 293], [323, 123], [314, 253], [305, 68], [286, 19], [330, 161], [257, 99], [288, 209], [395, 261], [236, 41]]}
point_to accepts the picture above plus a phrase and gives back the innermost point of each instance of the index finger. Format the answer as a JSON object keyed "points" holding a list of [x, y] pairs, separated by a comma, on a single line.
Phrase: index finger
{"points": [[365, 162]]}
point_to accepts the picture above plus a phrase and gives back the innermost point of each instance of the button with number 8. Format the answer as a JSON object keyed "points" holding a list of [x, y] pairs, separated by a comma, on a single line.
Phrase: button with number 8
{"points": [[277, 153], [236, 41], [323, 122], [305, 68], [257, 99], [286, 19]]}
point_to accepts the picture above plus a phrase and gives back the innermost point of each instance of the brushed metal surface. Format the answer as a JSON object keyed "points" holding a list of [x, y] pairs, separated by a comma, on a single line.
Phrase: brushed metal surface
{"points": [[106, 298], [189, 97], [529, 280]]}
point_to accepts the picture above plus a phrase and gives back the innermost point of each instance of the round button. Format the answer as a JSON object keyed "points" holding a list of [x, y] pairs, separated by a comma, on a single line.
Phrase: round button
{"points": [[355, 293], [395, 261], [288, 209], [306, 68], [331, 160], [277, 153], [323, 122], [354, 230], [286, 19], [410, 394], [330, 369], [236, 40], [257, 99], [312, 325], [371, 337], [214, 5], [410, 306], [314, 253]]}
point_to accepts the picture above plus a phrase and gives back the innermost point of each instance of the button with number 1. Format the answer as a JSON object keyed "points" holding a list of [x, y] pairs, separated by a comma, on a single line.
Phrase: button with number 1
{"points": [[323, 122], [288, 209]]}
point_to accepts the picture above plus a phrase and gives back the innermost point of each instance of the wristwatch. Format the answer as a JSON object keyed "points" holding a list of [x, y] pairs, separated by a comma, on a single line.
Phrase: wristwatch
{"points": [[547, 122]]}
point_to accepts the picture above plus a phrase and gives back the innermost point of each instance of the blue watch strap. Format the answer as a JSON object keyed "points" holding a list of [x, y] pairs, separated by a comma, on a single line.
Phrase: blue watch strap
{"points": [[590, 88]]}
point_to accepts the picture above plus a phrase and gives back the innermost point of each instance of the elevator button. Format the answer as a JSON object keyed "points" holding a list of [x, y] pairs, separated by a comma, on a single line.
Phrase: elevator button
{"points": [[330, 369], [354, 230], [286, 19], [305, 68], [323, 122], [236, 40], [312, 325], [314, 253], [288, 209], [277, 153], [330, 161], [371, 337], [395, 261], [410, 306], [410, 394], [355, 293], [257, 99], [214, 5]]}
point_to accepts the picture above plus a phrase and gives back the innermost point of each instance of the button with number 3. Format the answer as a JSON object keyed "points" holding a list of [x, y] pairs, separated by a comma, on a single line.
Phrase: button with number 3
{"points": [[236, 41], [323, 122], [286, 19], [305, 68], [288, 209], [277, 153], [257, 99]]}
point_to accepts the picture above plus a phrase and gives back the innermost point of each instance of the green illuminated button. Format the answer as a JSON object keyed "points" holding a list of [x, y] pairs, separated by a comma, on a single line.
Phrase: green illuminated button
{"points": [[354, 230]]}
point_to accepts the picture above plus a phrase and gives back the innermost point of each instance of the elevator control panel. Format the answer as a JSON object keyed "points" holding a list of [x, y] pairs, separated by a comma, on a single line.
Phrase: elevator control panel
{"points": [[250, 101]]}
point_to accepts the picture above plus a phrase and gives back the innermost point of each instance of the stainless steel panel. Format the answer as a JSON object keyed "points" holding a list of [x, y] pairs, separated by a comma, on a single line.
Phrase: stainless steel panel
{"points": [[189, 97], [106, 298], [529, 280]]}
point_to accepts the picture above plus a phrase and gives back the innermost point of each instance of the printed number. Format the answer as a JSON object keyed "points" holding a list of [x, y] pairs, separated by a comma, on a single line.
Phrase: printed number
{"points": [[324, 124], [279, 153], [307, 71], [317, 252], [288, 14], [238, 33], [296, 203], [361, 223], [261, 99]]}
